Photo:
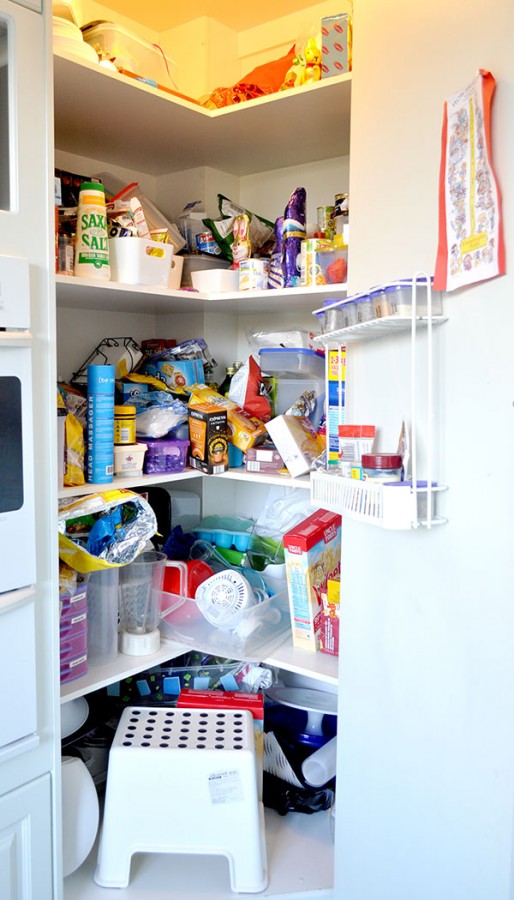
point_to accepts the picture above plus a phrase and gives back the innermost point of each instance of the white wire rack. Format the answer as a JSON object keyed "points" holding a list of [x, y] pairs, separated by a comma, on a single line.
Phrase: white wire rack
{"points": [[395, 506]]}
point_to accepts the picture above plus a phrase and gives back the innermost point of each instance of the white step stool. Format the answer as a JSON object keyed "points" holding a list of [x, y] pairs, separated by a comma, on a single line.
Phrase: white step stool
{"points": [[183, 781]]}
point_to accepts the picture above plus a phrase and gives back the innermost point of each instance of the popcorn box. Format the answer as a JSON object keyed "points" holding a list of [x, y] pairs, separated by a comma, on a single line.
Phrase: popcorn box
{"points": [[336, 45], [312, 552], [297, 442], [329, 639]]}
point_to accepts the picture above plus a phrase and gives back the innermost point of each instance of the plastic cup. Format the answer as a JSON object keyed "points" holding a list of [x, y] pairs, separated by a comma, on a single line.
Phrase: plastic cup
{"points": [[102, 615], [141, 584]]}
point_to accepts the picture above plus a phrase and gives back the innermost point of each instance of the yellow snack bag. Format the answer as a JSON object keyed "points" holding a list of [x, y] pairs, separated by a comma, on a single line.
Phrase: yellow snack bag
{"points": [[74, 451]]}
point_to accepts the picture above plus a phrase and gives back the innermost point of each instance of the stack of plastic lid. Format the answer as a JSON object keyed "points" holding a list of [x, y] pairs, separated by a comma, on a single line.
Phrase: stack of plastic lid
{"points": [[67, 36]]}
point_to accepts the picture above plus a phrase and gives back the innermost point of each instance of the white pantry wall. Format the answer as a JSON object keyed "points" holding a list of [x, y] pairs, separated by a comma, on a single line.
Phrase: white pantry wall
{"points": [[426, 776]]}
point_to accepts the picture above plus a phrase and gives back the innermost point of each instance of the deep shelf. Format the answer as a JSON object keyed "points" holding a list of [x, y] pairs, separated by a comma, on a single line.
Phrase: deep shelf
{"points": [[139, 127]]}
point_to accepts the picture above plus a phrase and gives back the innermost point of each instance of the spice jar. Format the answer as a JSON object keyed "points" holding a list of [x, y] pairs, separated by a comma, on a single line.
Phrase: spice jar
{"points": [[382, 466], [124, 425]]}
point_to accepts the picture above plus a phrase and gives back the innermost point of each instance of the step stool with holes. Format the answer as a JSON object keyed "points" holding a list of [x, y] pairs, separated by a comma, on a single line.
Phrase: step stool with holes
{"points": [[183, 781]]}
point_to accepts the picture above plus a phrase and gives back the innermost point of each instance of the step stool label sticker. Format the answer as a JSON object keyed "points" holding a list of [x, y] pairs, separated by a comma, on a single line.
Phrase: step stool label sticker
{"points": [[225, 786]]}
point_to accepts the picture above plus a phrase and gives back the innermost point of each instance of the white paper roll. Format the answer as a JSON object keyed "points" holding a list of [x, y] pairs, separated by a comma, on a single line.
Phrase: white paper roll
{"points": [[320, 766]]}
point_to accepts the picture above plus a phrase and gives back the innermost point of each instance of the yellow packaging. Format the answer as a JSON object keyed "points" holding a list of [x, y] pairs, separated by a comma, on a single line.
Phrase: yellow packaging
{"points": [[244, 430], [74, 450]]}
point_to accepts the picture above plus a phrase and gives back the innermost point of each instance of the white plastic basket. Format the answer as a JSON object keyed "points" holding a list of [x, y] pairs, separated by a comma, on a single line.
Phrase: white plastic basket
{"points": [[396, 506], [138, 261]]}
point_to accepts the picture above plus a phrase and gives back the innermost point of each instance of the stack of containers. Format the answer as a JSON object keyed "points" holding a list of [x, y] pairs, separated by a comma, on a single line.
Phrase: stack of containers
{"points": [[73, 632]]}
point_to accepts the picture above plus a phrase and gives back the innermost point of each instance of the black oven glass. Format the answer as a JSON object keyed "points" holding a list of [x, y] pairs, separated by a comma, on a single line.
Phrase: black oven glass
{"points": [[11, 448]]}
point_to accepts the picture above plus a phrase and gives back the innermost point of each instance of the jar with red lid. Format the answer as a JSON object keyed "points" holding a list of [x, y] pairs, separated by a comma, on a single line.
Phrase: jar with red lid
{"points": [[382, 467]]}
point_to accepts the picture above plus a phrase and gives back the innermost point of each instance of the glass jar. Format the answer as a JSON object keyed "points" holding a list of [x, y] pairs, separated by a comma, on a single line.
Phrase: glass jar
{"points": [[382, 467]]}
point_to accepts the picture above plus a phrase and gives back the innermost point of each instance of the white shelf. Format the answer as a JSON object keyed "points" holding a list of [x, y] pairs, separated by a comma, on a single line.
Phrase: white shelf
{"points": [[122, 667], [376, 328], [143, 481], [148, 130], [320, 666], [133, 483], [300, 860], [84, 293], [301, 481]]}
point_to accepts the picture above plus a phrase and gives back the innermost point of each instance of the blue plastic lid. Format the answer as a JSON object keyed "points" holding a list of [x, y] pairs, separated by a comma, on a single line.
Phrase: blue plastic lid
{"points": [[303, 350]]}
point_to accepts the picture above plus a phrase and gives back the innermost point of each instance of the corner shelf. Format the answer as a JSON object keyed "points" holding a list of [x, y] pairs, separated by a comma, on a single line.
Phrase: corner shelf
{"points": [[84, 293]]}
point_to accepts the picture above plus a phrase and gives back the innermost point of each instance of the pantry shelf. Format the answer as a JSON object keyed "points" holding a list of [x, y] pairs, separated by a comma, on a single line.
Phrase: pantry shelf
{"points": [[123, 666], [136, 481], [84, 293], [302, 481], [146, 129], [375, 328]]}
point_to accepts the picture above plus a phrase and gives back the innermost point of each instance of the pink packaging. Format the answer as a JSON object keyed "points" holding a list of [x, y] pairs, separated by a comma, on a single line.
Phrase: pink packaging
{"points": [[312, 552], [336, 45]]}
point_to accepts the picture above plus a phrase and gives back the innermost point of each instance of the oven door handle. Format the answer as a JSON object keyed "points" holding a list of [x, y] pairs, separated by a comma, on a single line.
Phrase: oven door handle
{"points": [[14, 599]]}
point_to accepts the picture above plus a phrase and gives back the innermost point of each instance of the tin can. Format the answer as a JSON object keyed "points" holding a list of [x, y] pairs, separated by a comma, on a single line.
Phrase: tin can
{"points": [[341, 204], [325, 220], [206, 243]]}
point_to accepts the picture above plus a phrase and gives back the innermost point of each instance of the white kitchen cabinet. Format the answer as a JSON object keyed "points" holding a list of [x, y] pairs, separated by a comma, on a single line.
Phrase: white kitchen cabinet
{"points": [[244, 141], [26, 842]]}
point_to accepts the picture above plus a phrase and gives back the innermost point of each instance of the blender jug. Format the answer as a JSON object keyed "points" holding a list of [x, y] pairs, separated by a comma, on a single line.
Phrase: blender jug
{"points": [[140, 601]]}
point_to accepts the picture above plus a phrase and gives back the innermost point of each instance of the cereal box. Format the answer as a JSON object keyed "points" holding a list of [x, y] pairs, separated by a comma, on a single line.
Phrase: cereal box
{"points": [[329, 639], [313, 556]]}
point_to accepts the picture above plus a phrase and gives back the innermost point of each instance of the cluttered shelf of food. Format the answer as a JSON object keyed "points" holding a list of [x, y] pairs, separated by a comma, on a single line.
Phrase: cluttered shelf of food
{"points": [[179, 134], [74, 292]]}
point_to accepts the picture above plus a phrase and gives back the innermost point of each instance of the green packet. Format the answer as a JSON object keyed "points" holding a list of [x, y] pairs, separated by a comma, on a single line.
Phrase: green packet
{"points": [[261, 229]]}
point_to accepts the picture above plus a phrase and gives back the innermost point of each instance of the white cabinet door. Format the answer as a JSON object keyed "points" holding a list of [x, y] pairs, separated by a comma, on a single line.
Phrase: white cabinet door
{"points": [[25, 843]]}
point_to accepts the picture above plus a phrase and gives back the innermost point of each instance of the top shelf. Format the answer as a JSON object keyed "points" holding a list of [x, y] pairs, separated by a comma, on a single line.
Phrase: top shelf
{"points": [[137, 126]]}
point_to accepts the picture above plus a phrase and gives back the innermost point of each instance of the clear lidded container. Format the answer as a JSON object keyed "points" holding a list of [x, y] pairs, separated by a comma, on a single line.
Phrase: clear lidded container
{"points": [[364, 308]]}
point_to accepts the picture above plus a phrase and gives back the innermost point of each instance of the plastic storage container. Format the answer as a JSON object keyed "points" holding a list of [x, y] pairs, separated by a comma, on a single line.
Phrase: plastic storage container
{"points": [[226, 531], [196, 262], [128, 459], [215, 280], [128, 52], [399, 296], [165, 456], [381, 303], [262, 628], [292, 361], [139, 261], [364, 310]]}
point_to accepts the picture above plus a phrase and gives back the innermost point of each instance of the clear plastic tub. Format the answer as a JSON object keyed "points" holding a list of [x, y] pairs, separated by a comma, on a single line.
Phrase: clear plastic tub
{"points": [[262, 628], [364, 309], [381, 303], [399, 296], [292, 361]]}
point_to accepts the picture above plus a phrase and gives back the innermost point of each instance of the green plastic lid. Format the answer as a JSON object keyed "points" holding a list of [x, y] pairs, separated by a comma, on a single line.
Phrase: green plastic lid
{"points": [[92, 186]]}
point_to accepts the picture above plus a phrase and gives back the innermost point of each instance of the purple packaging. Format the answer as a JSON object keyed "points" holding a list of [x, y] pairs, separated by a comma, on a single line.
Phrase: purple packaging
{"points": [[294, 233], [276, 271]]}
